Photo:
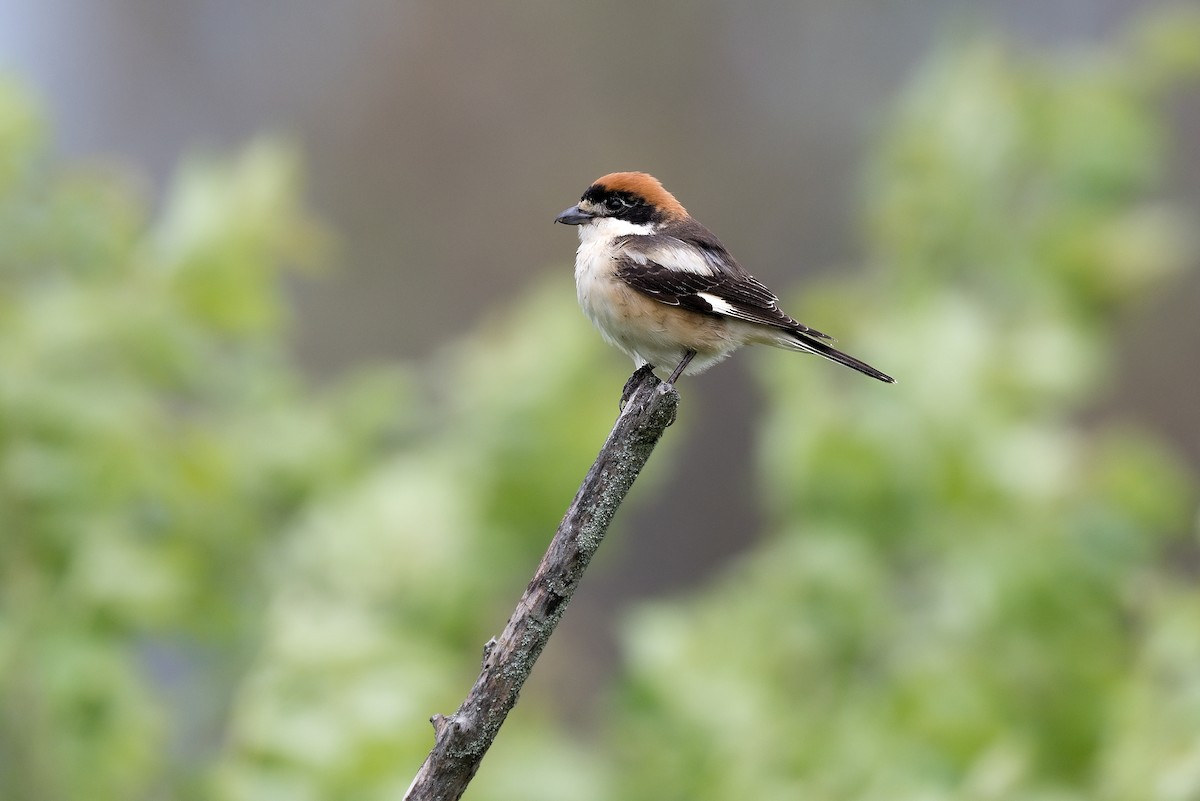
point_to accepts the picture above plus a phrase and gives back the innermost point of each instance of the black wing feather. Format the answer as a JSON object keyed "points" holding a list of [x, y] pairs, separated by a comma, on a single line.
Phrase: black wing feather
{"points": [[714, 273]]}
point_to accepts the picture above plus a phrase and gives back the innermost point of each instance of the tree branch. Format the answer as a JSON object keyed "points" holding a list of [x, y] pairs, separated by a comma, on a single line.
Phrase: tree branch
{"points": [[462, 739]]}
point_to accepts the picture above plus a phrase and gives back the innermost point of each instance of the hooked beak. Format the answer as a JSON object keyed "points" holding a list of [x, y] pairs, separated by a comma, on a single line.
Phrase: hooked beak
{"points": [[573, 216]]}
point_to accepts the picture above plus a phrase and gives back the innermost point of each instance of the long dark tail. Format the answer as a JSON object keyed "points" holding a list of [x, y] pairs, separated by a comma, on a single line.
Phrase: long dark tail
{"points": [[796, 340]]}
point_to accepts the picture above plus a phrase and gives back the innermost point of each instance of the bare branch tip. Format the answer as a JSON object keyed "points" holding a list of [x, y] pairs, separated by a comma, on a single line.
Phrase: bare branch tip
{"points": [[464, 737]]}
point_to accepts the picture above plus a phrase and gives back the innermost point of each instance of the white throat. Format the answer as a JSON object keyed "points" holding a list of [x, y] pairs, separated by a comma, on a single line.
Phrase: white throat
{"points": [[610, 228]]}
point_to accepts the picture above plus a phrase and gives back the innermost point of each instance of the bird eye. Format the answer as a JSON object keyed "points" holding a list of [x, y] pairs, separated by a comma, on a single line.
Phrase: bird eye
{"points": [[615, 203]]}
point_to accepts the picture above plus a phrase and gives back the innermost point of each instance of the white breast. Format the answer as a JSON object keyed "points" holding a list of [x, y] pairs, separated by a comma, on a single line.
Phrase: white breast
{"points": [[596, 283]]}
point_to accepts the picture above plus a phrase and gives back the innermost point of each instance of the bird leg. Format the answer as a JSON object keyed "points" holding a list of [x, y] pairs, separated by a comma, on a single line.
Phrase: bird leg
{"points": [[687, 358]]}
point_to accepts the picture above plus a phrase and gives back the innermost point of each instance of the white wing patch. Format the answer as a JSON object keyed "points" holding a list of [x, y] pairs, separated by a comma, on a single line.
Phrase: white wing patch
{"points": [[680, 258], [719, 305], [755, 315]]}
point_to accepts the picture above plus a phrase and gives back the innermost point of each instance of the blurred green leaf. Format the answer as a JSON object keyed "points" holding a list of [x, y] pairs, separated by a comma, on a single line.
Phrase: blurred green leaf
{"points": [[962, 587]]}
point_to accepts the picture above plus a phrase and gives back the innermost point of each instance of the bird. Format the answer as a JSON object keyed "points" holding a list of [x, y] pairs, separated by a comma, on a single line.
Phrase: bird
{"points": [[663, 289]]}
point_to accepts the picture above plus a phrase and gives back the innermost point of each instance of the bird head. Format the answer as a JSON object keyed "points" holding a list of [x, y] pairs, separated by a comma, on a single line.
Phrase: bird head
{"points": [[633, 197]]}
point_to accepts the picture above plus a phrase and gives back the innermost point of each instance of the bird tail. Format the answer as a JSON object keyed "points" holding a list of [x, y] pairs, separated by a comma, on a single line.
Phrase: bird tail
{"points": [[798, 340]]}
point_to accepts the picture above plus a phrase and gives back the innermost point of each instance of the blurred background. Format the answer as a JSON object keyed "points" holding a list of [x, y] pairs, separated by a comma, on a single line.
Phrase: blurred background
{"points": [[267, 516]]}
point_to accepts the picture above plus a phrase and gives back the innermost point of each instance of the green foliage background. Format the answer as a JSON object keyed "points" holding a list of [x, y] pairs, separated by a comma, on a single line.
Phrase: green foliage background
{"points": [[219, 582]]}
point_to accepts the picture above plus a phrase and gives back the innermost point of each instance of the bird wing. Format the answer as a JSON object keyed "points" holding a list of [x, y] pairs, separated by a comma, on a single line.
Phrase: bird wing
{"points": [[700, 275]]}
